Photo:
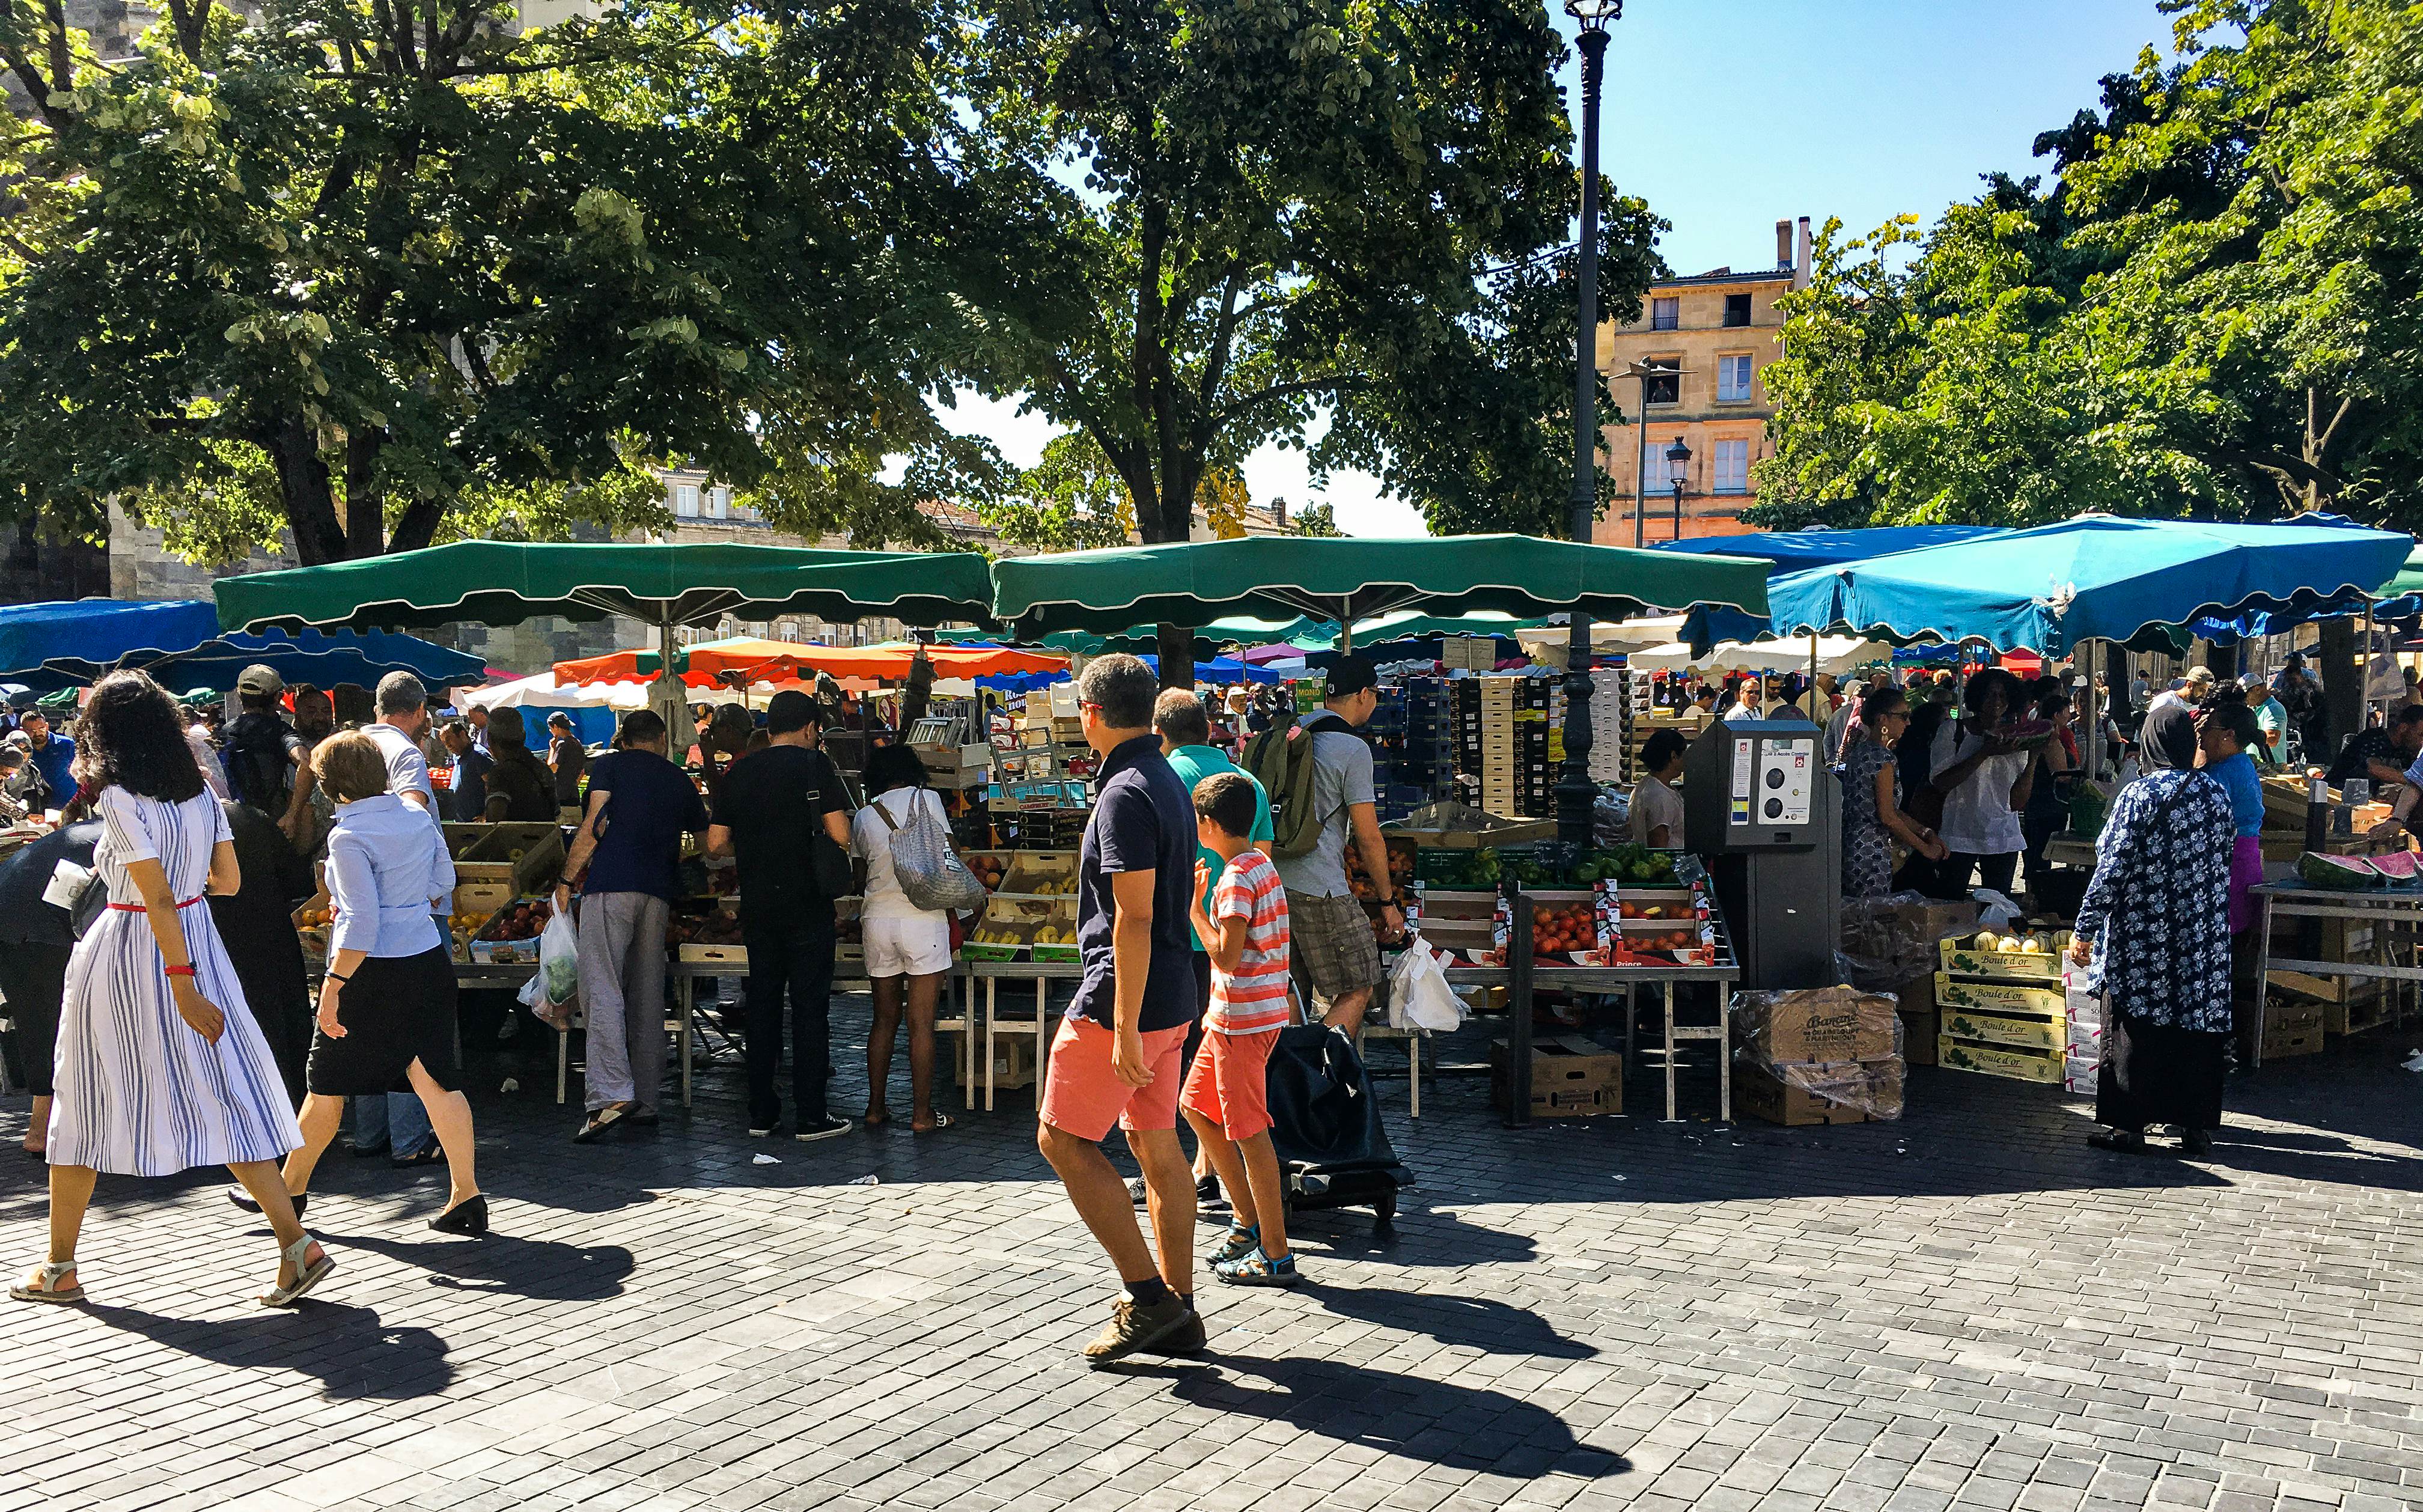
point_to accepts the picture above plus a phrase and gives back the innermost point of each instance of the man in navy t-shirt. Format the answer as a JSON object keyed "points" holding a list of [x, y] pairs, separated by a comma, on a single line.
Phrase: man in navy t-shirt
{"points": [[626, 859], [1115, 1059]]}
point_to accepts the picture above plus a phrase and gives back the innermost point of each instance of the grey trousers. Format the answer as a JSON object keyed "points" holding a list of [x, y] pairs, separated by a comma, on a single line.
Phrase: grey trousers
{"points": [[623, 994]]}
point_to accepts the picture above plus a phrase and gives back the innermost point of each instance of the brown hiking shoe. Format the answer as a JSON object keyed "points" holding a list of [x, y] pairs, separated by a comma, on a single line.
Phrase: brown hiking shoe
{"points": [[1133, 1327], [1188, 1338]]}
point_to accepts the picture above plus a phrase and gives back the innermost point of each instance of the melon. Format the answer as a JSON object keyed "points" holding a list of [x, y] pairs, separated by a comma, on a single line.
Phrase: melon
{"points": [[2027, 734], [2345, 873], [2400, 868]]}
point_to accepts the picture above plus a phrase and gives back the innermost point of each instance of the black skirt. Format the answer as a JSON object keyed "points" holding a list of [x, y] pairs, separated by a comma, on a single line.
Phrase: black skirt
{"points": [[2156, 1073], [395, 1010]]}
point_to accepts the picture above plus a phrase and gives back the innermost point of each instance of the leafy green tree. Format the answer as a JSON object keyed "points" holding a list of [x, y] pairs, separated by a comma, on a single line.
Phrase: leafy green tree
{"points": [[376, 271], [1317, 520], [1226, 218]]}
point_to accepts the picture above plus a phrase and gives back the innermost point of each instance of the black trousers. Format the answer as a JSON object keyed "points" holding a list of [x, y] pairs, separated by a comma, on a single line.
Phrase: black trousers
{"points": [[1995, 872], [792, 954], [33, 980]]}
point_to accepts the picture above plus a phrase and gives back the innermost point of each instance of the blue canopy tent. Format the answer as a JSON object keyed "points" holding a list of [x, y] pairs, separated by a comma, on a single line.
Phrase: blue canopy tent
{"points": [[65, 643], [321, 658], [1227, 669], [1796, 551], [2095, 578]]}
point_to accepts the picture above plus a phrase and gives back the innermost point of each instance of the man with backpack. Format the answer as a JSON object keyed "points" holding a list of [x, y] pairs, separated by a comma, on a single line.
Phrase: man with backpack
{"points": [[268, 767], [1318, 772]]}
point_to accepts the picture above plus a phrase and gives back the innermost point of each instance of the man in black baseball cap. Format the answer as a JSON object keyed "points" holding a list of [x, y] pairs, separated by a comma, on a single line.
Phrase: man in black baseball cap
{"points": [[772, 806]]}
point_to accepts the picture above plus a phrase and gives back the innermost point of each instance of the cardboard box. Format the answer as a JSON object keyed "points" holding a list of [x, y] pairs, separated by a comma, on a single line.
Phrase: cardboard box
{"points": [[2006, 998], [1959, 959], [1571, 1077], [1995, 1029], [482, 897], [1811, 1093], [2281, 1042], [2078, 1075], [1998, 1061], [527, 858], [1816, 1024], [1918, 1035]]}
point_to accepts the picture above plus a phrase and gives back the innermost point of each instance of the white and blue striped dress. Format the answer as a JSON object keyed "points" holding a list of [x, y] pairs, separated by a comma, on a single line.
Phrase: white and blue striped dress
{"points": [[139, 1093]]}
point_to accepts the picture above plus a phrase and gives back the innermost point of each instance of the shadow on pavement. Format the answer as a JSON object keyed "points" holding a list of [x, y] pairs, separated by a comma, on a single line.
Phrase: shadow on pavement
{"points": [[1460, 1428], [1472, 1322], [540, 1270], [347, 1349]]}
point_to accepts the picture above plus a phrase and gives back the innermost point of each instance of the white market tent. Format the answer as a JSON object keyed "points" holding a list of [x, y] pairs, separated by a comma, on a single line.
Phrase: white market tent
{"points": [[1631, 636], [1835, 654]]}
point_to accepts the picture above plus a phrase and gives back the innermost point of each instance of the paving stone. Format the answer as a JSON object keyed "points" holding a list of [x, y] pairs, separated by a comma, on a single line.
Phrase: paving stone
{"points": [[1968, 1308]]}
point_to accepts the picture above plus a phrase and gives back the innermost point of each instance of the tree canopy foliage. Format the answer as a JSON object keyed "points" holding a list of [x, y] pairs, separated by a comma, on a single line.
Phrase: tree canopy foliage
{"points": [[2216, 308], [377, 273]]}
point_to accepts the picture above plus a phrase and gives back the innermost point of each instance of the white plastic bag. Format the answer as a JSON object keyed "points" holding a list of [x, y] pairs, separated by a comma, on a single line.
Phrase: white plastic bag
{"points": [[551, 991], [1999, 911], [1419, 995]]}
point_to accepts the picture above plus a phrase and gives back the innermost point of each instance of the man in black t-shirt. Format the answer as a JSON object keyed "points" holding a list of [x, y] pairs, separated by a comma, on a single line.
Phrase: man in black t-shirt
{"points": [[769, 811], [267, 764], [1116, 1059]]}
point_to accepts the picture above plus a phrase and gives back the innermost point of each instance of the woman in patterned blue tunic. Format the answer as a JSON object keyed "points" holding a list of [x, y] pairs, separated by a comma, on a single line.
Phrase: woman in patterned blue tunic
{"points": [[159, 1067], [2156, 918]]}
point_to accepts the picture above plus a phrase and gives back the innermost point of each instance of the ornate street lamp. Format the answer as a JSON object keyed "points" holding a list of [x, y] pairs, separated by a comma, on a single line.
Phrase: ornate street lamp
{"points": [[1678, 469], [1575, 792]]}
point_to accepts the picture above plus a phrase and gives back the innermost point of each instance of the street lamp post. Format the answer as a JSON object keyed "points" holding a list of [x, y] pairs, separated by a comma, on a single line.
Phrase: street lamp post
{"points": [[1678, 469], [1575, 792]]}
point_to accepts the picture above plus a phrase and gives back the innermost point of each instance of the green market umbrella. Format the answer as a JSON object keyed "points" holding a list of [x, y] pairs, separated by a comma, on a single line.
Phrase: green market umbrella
{"points": [[1352, 579], [504, 583]]}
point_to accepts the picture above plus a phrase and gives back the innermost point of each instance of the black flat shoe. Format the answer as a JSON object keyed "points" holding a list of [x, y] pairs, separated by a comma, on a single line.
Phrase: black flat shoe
{"points": [[2121, 1142], [367, 1152], [244, 1200], [467, 1216], [2196, 1142], [426, 1155]]}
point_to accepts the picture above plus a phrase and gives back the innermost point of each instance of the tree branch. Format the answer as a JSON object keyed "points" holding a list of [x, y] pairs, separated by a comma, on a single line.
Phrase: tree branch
{"points": [[1336, 383]]}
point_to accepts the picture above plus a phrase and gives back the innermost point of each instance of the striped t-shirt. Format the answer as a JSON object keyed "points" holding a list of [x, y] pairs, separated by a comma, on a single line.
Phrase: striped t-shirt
{"points": [[1253, 998]]}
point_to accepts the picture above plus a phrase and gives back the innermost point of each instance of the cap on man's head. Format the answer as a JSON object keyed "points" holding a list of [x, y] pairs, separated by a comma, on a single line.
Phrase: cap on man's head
{"points": [[2200, 676], [792, 709], [559, 720], [506, 726], [1351, 675], [260, 681], [400, 693]]}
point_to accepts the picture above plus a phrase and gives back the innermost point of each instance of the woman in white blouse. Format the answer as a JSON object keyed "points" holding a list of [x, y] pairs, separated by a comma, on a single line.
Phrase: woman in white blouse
{"points": [[1984, 777]]}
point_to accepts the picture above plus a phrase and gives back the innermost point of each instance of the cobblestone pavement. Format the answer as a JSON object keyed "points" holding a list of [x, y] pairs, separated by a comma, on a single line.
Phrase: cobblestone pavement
{"points": [[1967, 1309]]}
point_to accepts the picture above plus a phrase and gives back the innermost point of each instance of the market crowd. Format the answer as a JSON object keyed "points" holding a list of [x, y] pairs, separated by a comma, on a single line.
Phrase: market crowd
{"points": [[165, 1017]]}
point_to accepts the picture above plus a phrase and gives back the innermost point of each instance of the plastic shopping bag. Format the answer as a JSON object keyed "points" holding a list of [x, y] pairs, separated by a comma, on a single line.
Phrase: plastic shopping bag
{"points": [[552, 990], [1418, 994]]}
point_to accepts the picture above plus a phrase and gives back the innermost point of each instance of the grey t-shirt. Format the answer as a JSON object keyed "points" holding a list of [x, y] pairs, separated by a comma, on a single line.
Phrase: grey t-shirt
{"points": [[1341, 774]]}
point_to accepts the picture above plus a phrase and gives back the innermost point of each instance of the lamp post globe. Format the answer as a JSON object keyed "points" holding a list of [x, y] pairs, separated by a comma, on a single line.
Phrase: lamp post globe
{"points": [[1576, 793]]}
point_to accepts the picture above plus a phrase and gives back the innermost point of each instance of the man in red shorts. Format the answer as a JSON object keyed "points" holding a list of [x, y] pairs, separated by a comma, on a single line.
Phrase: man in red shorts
{"points": [[1115, 1059]]}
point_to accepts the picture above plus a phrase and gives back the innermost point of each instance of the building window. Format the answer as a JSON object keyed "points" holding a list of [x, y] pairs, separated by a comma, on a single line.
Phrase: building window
{"points": [[686, 499], [1665, 314], [1732, 467], [1664, 387], [1732, 379], [1736, 309], [719, 502]]}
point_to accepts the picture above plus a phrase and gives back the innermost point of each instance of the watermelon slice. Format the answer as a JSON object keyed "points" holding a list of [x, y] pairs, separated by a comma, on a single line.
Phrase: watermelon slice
{"points": [[2028, 734], [2343, 873], [2399, 866]]}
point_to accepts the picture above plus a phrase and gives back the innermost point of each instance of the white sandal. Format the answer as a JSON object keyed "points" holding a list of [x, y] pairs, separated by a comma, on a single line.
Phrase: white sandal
{"points": [[307, 1275], [50, 1290]]}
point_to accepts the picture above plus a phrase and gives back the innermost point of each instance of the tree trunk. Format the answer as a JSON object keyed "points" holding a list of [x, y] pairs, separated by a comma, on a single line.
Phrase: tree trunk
{"points": [[1177, 655], [2342, 684], [304, 486], [365, 510]]}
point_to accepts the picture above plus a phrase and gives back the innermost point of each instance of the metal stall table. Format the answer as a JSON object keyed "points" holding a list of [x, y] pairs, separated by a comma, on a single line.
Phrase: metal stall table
{"points": [[2394, 915]]}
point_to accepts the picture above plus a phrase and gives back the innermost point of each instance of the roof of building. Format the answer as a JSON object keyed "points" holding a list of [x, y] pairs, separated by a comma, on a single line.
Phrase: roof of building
{"points": [[1726, 275]]}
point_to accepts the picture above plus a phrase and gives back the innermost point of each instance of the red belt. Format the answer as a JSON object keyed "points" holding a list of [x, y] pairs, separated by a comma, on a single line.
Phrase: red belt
{"points": [[137, 908]]}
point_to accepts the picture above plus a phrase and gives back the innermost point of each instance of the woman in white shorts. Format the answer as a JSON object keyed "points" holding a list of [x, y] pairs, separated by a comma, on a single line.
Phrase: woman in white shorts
{"points": [[908, 947]]}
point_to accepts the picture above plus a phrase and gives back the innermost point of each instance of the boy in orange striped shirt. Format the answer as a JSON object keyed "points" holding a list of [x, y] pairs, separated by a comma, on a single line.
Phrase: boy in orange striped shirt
{"points": [[1243, 923]]}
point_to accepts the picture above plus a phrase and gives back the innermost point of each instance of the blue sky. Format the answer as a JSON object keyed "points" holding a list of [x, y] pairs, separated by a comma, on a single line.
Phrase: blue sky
{"points": [[1728, 115]]}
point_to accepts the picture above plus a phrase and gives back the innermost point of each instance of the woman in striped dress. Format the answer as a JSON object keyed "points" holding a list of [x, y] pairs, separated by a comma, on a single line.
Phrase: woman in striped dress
{"points": [[160, 1067]]}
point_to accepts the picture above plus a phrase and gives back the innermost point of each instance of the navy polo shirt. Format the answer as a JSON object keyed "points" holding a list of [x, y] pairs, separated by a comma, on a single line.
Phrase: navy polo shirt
{"points": [[1144, 820]]}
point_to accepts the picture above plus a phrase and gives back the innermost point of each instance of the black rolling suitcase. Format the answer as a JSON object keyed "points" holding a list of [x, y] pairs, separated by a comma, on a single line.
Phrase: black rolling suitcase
{"points": [[1326, 1126]]}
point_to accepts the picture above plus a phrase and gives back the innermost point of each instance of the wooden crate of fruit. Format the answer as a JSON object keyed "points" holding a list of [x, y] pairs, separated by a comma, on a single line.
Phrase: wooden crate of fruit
{"points": [[712, 936], [991, 866], [510, 938], [1040, 874], [1013, 926]]}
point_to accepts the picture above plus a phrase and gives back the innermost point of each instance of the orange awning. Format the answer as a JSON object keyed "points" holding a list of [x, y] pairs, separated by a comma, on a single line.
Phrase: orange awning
{"points": [[784, 660]]}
